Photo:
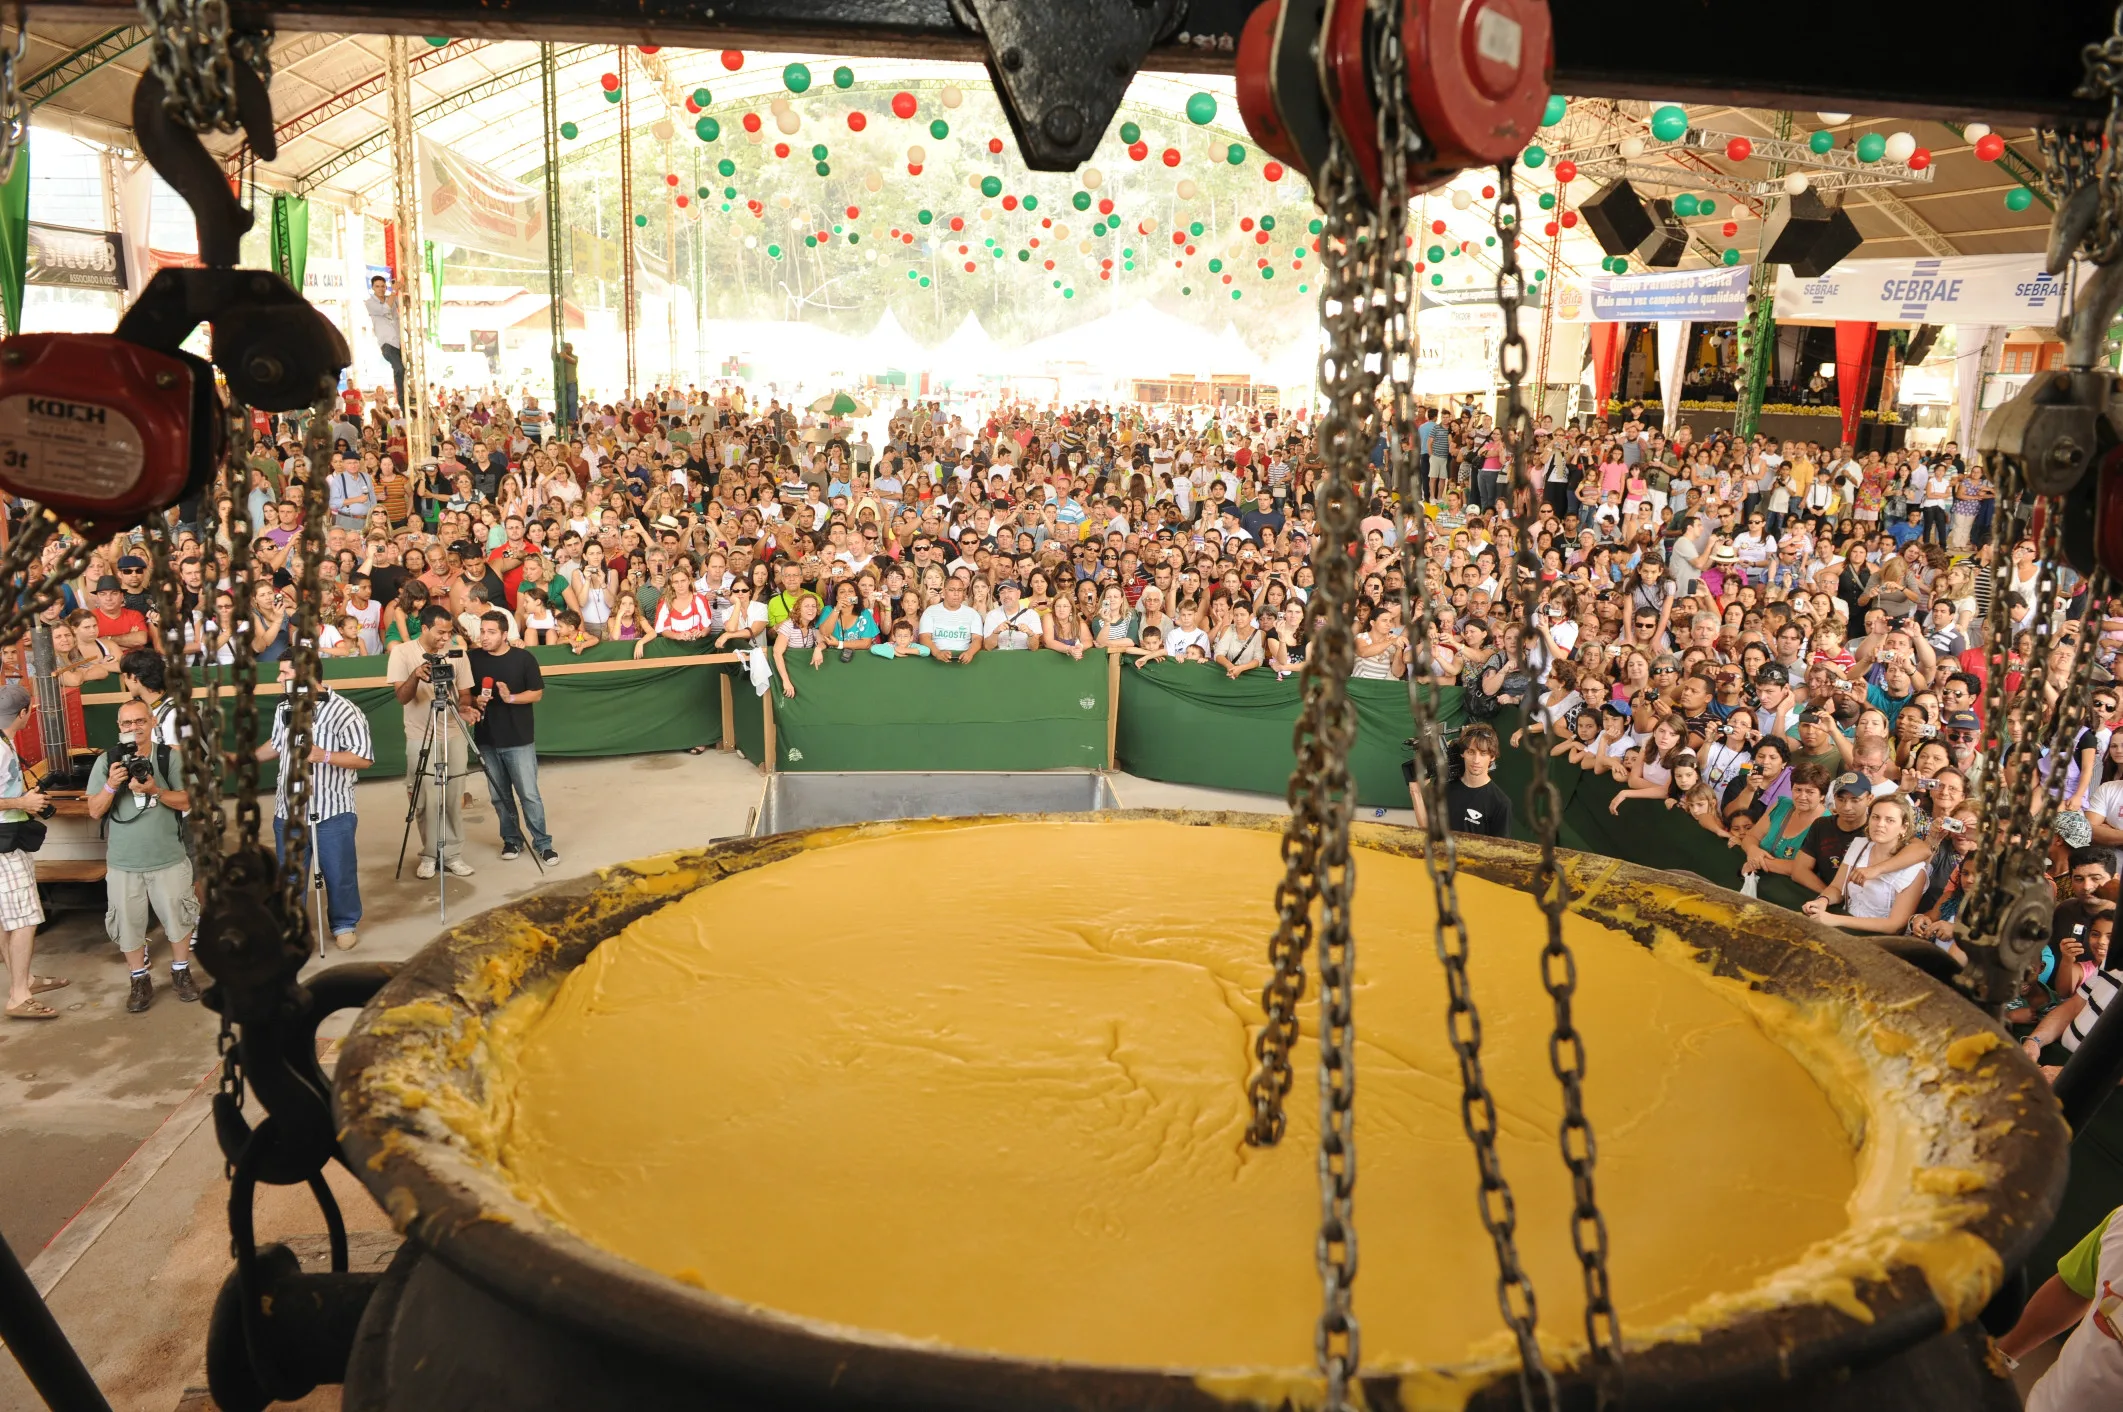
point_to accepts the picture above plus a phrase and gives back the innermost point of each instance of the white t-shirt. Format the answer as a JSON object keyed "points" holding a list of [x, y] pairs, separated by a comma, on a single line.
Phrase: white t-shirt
{"points": [[1016, 629], [1875, 898], [2089, 1372], [1179, 639], [950, 629]]}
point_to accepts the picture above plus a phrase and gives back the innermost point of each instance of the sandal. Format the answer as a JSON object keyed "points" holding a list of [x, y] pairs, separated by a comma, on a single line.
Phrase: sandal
{"points": [[32, 1010], [38, 985], [696, 750]]}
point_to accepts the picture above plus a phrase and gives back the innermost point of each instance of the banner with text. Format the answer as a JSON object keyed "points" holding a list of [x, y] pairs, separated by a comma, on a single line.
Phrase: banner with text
{"points": [[78, 259], [2011, 290], [464, 203], [1710, 296]]}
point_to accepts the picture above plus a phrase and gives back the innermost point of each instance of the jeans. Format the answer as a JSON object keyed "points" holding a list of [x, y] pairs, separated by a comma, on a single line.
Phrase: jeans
{"points": [[1937, 521], [333, 839], [1485, 483], [396, 358], [512, 774]]}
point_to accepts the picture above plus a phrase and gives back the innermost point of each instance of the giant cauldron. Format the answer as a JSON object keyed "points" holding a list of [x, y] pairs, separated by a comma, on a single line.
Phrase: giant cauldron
{"points": [[492, 1303]]}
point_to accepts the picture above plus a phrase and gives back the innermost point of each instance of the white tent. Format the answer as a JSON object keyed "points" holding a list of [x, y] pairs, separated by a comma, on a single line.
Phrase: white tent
{"points": [[786, 351], [1141, 341], [967, 353], [889, 345]]}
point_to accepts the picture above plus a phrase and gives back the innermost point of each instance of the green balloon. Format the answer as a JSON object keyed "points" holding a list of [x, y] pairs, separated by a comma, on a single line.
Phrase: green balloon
{"points": [[1315, 226], [1557, 107], [1024, 254], [843, 77], [438, 40], [824, 170], [1068, 294], [1304, 288], [1186, 289], [811, 242], [1535, 156], [1216, 267], [1031, 203], [1437, 279], [1547, 201], [730, 192], [1081, 201], [1099, 229], [1127, 252], [1539, 275], [726, 167], [1201, 108], [1238, 294], [570, 131], [641, 220], [1488, 240], [796, 77], [1731, 257], [1127, 264], [774, 252], [707, 129], [1267, 223], [939, 129], [1235, 154], [991, 186], [1871, 147], [1822, 142], [1706, 207], [913, 274], [818, 152], [925, 216], [1684, 204], [611, 95], [701, 96], [1130, 133], [1670, 123], [703, 192], [924, 281], [2019, 199], [1196, 228], [1267, 272]]}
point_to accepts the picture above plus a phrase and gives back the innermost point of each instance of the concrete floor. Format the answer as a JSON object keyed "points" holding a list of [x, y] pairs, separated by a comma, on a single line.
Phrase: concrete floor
{"points": [[133, 1279]]}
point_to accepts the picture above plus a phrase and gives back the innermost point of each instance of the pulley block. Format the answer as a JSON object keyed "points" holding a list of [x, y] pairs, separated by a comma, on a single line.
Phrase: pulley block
{"points": [[1477, 82]]}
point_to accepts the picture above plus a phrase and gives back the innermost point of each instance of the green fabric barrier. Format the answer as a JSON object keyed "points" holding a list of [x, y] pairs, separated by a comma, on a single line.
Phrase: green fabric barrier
{"points": [[1187, 723], [1005, 711], [14, 238], [748, 725]]}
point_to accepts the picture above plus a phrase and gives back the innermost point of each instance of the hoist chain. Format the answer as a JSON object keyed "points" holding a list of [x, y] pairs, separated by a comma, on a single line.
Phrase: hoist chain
{"points": [[1566, 1047], [301, 699], [243, 653], [22, 562], [14, 116], [198, 722], [2074, 158], [194, 52]]}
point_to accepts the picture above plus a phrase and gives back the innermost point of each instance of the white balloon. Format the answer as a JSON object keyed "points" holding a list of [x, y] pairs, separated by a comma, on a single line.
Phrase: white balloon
{"points": [[787, 122], [1186, 189], [1976, 130], [1631, 148], [1835, 119], [1083, 247], [779, 103], [1900, 146], [751, 242], [798, 223], [916, 156], [783, 201], [873, 181], [1461, 200], [987, 213], [753, 137], [661, 129], [1148, 227], [1796, 183], [1093, 178], [1061, 232], [869, 257], [951, 96]]}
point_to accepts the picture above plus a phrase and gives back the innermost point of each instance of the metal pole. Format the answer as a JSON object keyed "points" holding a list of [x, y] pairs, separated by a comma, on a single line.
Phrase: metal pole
{"points": [[30, 1332], [412, 267], [555, 270], [1755, 349], [628, 315], [1547, 288]]}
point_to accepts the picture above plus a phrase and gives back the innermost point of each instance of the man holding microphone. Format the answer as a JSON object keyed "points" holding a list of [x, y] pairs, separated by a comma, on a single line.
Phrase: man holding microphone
{"points": [[509, 685]]}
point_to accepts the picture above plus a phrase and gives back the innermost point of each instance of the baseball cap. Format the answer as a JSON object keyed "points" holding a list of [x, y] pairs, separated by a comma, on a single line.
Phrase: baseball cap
{"points": [[1850, 782], [1962, 721], [14, 700], [131, 562]]}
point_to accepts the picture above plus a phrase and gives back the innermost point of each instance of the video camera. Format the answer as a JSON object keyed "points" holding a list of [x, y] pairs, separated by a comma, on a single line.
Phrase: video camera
{"points": [[441, 676], [138, 768]]}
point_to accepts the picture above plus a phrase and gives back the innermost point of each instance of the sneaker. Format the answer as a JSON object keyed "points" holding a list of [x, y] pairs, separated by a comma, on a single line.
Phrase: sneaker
{"points": [[457, 868], [549, 857], [182, 983], [345, 941], [426, 869], [141, 995], [511, 852]]}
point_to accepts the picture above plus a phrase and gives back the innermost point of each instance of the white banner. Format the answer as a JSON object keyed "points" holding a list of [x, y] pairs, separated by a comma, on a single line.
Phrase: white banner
{"points": [[1714, 295], [2008, 290], [464, 203]]}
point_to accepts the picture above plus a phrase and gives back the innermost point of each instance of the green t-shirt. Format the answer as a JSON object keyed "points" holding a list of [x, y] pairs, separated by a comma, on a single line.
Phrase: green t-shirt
{"points": [[140, 837]]}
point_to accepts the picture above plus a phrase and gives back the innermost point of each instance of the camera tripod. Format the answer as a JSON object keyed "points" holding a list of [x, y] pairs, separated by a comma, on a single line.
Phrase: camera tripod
{"points": [[432, 768]]}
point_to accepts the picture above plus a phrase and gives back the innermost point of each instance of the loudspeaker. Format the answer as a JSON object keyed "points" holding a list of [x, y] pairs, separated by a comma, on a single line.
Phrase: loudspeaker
{"points": [[1810, 236], [1618, 217], [1668, 242]]}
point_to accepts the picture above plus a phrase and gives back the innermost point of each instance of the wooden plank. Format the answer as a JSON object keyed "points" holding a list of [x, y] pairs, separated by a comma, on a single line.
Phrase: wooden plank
{"points": [[729, 716], [768, 749], [1113, 665], [70, 870]]}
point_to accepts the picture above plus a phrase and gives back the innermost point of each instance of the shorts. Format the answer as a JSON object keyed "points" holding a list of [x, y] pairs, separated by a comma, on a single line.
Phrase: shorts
{"points": [[19, 904], [166, 893]]}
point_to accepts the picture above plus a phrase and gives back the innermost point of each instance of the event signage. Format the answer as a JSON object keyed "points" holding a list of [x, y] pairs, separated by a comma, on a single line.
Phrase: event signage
{"points": [[464, 203], [1714, 295], [2009, 290], [77, 259]]}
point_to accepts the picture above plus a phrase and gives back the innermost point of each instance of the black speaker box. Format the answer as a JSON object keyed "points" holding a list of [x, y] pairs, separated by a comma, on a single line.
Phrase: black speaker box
{"points": [[1668, 241], [1618, 217], [1833, 244], [1809, 235]]}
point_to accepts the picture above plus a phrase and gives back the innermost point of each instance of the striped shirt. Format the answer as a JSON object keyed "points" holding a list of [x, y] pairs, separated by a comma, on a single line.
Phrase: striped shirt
{"points": [[336, 725], [2099, 992]]}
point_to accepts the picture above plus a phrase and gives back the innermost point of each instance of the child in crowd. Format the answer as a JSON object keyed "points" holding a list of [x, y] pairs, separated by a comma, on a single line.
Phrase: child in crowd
{"points": [[902, 643]]}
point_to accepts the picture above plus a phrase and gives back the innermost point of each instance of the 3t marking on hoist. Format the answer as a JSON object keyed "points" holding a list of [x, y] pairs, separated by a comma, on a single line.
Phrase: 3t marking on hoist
{"points": [[57, 446]]}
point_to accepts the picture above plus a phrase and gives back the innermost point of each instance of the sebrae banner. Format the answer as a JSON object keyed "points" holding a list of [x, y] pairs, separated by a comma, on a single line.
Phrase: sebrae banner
{"points": [[464, 203]]}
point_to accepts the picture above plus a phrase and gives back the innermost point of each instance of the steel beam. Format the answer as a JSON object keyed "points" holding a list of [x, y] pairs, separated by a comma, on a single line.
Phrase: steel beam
{"points": [[56, 77], [347, 99], [1920, 230], [2022, 170]]}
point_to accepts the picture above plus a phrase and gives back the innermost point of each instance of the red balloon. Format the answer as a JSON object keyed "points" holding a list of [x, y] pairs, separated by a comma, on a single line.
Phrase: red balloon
{"points": [[1050, 264], [671, 179], [1437, 227], [970, 267], [1731, 229], [733, 59], [895, 232], [913, 169], [1034, 242], [903, 105], [995, 144], [1105, 206], [1570, 220], [610, 81], [1420, 267], [1009, 203], [1566, 170], [751, 122], [958, 223], [1138, 150], [1488, 193], [854, 211], [1245, 223], [962, 250], [1047, 222], [1190, 250], [684, 201], [1179, 237], [1920, 159], [1273, 171], [1107, 262], [691, 106], [781, 149], [857, 121], [650, 48], [1989, 147], [1260, 237], [1261, 263], [1551, 229], [824, 236], [1739, 149], [1171, 157], [1105, 274]]}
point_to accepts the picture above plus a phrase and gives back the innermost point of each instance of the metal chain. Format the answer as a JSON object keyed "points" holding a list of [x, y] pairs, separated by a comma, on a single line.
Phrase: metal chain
{"points": [[14, 117], [198, 725], [1566, 1047], [2087, 154], [303, 689], [243, 654], [41, 588], [194, 51]]}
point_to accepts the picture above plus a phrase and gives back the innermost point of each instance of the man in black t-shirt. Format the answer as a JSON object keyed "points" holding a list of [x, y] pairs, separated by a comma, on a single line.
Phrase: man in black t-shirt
{"points": [[1473, 801], [1850, 797], [509, 684]]}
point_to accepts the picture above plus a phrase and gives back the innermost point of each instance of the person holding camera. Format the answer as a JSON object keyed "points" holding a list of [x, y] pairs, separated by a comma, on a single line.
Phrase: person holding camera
{"points": [[21, 911], [509, 685], [413, 672], [137, 789], [340, 749]]}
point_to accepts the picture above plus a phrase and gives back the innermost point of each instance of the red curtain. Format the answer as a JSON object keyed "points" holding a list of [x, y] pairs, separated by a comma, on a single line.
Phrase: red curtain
{"points": [[390, 250], [1606, 343], [1853, 371]]}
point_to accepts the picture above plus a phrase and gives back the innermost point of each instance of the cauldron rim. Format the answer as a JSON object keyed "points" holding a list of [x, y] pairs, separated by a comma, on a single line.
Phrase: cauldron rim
{"points": [[441, 1194]]}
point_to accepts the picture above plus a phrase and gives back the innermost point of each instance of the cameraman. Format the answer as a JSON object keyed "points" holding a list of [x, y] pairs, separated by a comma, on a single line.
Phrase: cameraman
{"points": [[411, 674], [509, 684], [138, 787]]}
